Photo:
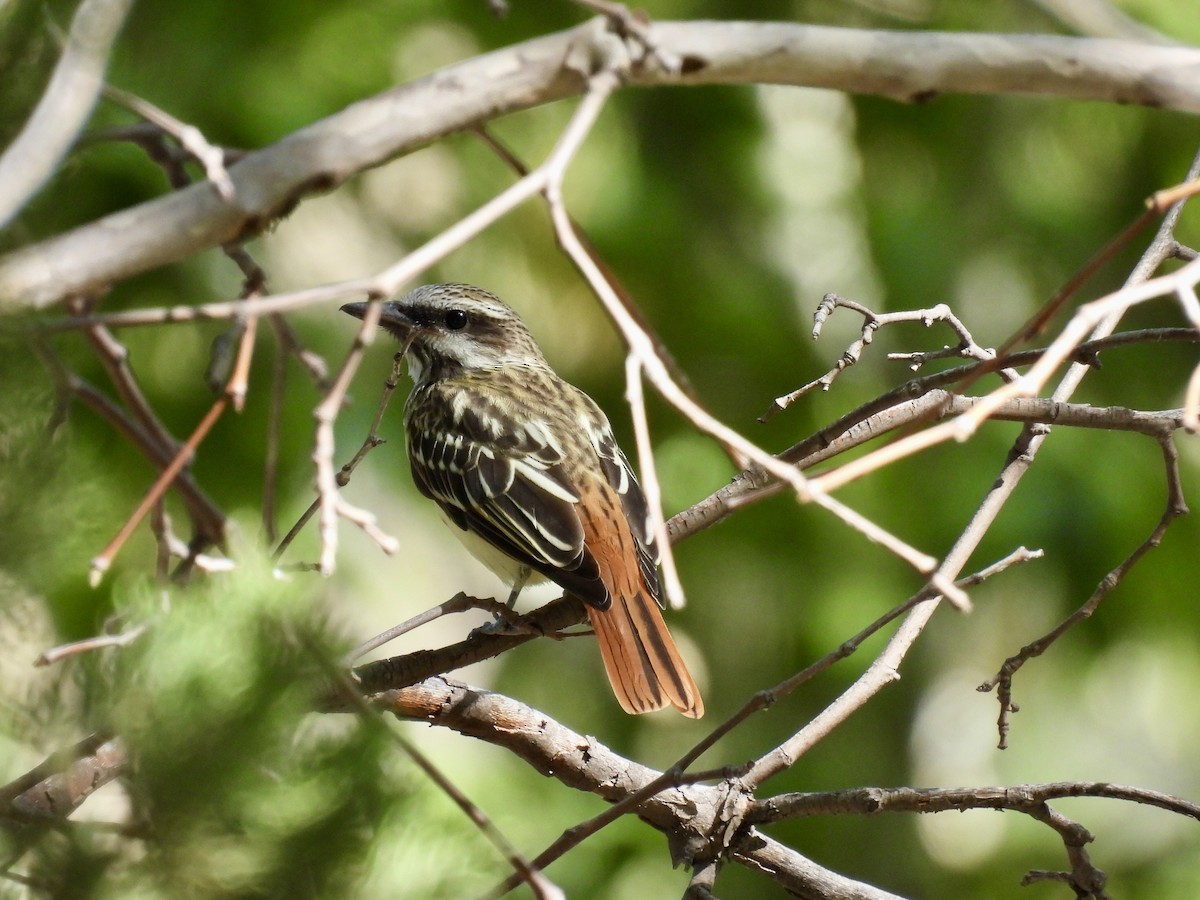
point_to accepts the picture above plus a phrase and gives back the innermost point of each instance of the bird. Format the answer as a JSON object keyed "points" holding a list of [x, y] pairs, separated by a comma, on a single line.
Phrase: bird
{"points": [[527, 473]]}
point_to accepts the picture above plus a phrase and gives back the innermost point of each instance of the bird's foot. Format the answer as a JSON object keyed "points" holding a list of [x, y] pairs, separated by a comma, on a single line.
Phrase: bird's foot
{"points": [[508, 622]]}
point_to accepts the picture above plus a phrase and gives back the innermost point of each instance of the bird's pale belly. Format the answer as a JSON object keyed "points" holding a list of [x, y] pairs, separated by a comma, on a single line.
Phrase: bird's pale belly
{"points": [[498, 563]]}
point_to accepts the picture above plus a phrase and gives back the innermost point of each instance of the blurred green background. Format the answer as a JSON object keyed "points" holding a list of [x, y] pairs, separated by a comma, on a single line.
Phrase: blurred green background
{"points": [[727, 212]]}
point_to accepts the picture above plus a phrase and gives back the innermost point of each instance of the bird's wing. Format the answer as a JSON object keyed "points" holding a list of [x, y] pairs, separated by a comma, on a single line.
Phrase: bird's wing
{"points": [[495, 466], [633, 502]]}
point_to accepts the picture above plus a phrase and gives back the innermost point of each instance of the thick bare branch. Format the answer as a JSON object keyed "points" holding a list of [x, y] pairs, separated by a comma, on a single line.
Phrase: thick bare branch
{"points": [[57, 787], [270, 182], [32, 158], [871, 800], [699, 820], [799, 876]]}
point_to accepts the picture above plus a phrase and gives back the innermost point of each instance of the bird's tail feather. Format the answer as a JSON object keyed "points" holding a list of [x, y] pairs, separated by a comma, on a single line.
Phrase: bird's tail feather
{"points": [[641, 659]]}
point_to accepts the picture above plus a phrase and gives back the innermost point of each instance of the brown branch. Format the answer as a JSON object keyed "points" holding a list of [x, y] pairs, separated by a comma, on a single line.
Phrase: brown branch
{"points": [[208, 520], [699, 820], [579, 762], [87, 645], [234, 391], [1029, 799], [101, 563], [400, 671], [900, 407], [114, 358], [1176, 506], [796, 874], [56, 787], [1019, 798], [408, 669], [526, 873], [577, 834], [189, 138]]}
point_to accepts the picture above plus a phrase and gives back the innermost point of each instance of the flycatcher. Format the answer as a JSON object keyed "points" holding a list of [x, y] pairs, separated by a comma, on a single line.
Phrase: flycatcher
{"points": [[526, 470]]}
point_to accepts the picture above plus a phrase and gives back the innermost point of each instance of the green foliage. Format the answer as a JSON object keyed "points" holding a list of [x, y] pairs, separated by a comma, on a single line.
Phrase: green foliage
{"points": [[236, 786]]}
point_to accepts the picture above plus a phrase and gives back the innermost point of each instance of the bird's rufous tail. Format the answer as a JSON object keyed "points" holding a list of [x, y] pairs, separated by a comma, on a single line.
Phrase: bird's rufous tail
{"points": [[641, 659]]}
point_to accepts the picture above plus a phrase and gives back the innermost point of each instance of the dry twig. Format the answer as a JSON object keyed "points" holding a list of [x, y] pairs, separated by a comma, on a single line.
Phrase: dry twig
{"points": [[872, 322]]}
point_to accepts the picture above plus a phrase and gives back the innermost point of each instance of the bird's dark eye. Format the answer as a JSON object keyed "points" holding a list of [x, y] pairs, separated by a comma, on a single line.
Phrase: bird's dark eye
{"points": [[456, 320]]}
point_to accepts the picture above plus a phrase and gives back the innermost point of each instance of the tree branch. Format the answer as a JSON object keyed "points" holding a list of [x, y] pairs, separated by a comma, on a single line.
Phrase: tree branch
{"points": [[33, 157], [700, 821], [911, 66]]}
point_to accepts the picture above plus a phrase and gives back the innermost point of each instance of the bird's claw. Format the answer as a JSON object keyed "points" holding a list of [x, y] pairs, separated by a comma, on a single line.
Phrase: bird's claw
{"points": [[507, 623]]}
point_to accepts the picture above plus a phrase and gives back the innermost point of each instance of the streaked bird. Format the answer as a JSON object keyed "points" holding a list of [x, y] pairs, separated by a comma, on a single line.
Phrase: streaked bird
{"points": [[526, 470]]}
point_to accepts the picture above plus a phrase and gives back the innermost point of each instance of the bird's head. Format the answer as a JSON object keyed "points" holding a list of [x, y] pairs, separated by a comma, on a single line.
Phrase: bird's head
{"points": [[447, 329]]}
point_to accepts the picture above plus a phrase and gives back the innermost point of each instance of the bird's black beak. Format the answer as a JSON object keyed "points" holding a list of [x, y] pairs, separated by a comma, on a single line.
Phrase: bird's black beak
{"points": [[391, 317], [358, 310]]}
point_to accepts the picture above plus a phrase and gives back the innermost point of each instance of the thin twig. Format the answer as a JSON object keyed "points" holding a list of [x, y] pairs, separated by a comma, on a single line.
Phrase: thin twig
{"points": [[872, 322], [1176, 506], [114, 358], [899, 407], [577, 834], [542, 887], [884, 669], [878, 674], [521, 169], [189, 137], [642, 347], [330, 505], [672, 586], [1019, 798], [409, 668], [586, 764], [312, 363], [62, 651], [1097, 318], [460, 602], [208, 520], [370, 442], [101, 563]]}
